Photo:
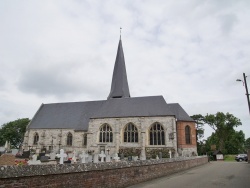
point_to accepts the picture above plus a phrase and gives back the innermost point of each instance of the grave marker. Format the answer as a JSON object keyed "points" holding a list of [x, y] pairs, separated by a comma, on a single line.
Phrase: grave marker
{"points": [[61, 155], [102, 155]]}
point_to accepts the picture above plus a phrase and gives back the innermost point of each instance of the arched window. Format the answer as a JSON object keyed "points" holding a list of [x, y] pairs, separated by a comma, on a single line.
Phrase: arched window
{"points": [[84, 141], [187, 135], [106, 134], [157, 134], [130, 133], [69, 139], [36, 139]]}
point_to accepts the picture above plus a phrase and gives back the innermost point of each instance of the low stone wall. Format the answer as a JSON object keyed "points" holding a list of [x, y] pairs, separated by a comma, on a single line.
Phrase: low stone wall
{"points": [[114, 174]]}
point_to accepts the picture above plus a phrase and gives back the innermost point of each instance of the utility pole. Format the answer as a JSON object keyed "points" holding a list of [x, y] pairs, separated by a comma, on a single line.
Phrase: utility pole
{"points": [[247, 94]]}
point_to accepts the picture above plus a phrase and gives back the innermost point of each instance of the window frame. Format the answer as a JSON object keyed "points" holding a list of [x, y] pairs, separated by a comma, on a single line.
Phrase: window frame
{"points": [[188, 134], [69, 140], [105, 133], [157, 135], [130, 133]]}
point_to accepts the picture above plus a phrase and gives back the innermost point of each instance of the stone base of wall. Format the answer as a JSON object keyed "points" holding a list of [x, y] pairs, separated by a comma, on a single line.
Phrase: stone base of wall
{"points": [[119, 174]]}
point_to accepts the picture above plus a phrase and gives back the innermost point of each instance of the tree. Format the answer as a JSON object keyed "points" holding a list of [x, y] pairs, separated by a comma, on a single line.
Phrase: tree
{"points": [[14, 132], [235, 142], [247, 144], [224, 125]]}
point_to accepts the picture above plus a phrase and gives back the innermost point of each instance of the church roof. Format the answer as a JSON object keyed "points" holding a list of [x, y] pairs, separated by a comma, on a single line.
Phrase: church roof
{"points": [[179, 112], [76, 115], [119, 86]]}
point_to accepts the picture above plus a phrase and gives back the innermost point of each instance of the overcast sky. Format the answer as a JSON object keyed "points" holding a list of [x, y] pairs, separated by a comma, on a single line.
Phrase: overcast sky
{"points": [[191, 52]]}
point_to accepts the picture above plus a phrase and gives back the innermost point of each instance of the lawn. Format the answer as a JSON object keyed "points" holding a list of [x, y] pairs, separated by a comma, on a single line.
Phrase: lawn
{"points": [[229, 157]]}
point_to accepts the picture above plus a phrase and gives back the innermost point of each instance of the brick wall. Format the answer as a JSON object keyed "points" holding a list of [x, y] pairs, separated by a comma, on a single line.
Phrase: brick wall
{"points": [[121, 174]]}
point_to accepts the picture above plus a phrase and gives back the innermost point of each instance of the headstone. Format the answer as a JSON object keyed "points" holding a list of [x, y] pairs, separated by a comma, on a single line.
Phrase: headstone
{"points": [[61, 155], [44, 159], [70, 155], [143, 155], [108, 158], [160, 155], [170, 154], [129, 158], [84, 157], [116, 158], [14, 151], [135, 158], [157, 157], [96, 158], [90, 158], [52, 156], [74, 157], [34, 160], [122, 156], [102, 155]]}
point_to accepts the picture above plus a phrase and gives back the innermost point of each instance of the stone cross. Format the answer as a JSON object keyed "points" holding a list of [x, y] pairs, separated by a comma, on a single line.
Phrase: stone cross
{"points": [[102, 155], [83, 157], [61, 155], [170, 154], [34, 160], [116, 158]]}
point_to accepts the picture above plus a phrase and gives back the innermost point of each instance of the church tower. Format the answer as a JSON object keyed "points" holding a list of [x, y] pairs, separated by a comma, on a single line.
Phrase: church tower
{"points": [[119, 86]]}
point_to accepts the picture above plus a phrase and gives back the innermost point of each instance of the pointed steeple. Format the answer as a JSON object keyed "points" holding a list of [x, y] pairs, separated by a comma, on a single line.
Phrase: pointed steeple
{"points": [[119, 86]]}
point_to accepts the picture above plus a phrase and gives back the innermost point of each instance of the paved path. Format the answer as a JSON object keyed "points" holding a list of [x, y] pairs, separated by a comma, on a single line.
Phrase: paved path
{"points": [[214, 174]]}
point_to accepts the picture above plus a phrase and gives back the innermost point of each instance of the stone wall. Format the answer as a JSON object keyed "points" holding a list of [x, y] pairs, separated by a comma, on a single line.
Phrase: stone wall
{"points": [[117, 174]]}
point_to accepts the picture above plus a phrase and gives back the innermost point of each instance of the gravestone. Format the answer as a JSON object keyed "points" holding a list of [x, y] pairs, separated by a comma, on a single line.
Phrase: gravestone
{"points": [[90, 158], [34, 160], [14, 151], [84, 157], [52, 156], [170, 154], [96, 158], [134, 158], [74, 157], [102, 155], [116, 158], [44, 159], [122, 156], [157, 157], [61, 155], [108, 158], [160, 155]]}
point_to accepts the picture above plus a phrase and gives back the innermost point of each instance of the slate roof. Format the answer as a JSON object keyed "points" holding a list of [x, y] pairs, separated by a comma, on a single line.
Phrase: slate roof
{"points": [[76, 115], [119, 86], [179, 112]]}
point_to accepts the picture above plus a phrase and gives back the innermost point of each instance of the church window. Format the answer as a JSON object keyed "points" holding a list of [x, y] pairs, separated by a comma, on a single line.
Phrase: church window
{"points": [[157, 134], [69, 139], [187, 135], [36, 139], [130, 133], [106, 134], [84, 142]]}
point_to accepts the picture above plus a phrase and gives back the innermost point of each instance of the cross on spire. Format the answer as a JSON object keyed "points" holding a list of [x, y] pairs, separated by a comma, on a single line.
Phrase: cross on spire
{"points": [[120, 33]]}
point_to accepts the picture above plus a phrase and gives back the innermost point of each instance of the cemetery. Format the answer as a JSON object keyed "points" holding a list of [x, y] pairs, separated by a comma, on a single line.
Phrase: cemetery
{"points": [[91, 170]]}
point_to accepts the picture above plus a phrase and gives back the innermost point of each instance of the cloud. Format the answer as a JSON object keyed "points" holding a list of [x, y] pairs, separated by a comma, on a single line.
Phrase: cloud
{"points": [[189, 52]]}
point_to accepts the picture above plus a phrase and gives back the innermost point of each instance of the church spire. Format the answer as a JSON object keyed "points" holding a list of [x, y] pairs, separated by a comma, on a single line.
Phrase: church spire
{"points": [[119, 86]]}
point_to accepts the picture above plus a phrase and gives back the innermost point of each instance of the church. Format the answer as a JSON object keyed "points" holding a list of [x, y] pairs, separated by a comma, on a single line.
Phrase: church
{"points": [[121, 124]]}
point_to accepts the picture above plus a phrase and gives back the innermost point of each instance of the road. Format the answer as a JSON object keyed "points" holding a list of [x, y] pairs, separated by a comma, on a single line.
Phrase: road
{"points": [[213, 174]]}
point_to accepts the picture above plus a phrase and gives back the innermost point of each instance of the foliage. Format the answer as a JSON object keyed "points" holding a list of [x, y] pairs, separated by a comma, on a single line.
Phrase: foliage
{"points": [[229, 158], [153, 152], [247, 144], [14, 132], [199, 120], [130, 151], [224, 125]]}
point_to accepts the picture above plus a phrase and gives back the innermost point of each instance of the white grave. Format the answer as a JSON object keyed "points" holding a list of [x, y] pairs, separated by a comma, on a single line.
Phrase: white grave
{"points": [[34, 160], [61, 155], [96, 158], [170, 154], [52, 156], [84, 156], [74, 157], [102, 155], [116, 158], [157, 157], [90, 159], [108, 158]]}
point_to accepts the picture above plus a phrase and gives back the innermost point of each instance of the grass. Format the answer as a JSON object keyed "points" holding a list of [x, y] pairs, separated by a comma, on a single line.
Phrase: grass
{"points": [[229, 157]]}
